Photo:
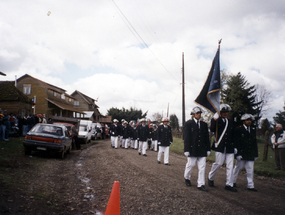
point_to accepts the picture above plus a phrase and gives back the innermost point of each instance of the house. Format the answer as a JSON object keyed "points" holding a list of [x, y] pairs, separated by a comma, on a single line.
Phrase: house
{"points": [[50, 100], [13, 100], [88, 106]]}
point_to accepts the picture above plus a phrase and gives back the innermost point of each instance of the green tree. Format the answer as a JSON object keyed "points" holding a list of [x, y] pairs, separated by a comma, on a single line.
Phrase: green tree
{"points": [[242, 98], [174, 122], [132, 114], [280, 118]]}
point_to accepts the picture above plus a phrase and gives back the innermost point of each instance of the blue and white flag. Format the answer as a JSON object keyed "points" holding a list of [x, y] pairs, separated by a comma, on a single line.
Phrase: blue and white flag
{"points": [[209, 96]]}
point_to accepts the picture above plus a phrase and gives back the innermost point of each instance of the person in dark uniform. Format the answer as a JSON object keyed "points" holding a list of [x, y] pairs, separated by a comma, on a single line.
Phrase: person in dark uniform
{"points": [[196, 147], [164, 141], [223, 146], [142, 137], [149, 141], [115, 131], [247, 150], [125, 135]]}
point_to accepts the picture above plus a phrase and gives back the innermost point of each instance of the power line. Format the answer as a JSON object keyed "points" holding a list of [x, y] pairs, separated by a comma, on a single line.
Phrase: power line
{"points": [[139, 38]]}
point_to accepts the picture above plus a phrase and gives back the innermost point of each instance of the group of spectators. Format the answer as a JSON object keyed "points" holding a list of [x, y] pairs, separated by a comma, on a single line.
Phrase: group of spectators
{"points": [[15, 125]]}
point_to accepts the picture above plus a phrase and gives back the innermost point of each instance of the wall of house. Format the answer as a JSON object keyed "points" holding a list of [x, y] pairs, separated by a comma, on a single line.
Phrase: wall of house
{"points": [[83, 105], [16, 107]]}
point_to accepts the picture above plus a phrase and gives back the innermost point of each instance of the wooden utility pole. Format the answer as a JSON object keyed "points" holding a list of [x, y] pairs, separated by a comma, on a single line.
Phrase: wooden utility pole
{"points": [[183, 96]]}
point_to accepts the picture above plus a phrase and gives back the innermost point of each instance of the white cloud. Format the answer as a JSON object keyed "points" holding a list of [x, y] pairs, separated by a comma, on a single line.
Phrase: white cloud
{"points": [[106, 47]]}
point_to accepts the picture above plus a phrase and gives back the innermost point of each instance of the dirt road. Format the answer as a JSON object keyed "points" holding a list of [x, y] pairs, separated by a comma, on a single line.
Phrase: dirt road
{"points": [[82, 183]]}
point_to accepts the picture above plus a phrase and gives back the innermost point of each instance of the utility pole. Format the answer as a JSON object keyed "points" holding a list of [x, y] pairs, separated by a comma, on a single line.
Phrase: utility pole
{"points": [[183, 96]]}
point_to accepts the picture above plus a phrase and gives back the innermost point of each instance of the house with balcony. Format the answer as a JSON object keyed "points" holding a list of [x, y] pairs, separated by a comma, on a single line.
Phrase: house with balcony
{"points": [[50, 100]]}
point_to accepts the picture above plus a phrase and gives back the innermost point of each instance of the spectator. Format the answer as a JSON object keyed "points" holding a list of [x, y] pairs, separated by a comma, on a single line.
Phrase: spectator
{"points": [[278, 141]]}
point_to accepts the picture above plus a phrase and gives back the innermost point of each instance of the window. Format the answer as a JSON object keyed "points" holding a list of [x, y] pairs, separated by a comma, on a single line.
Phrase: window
{"points": [[69, 99], [63, 96], [76, 103], [54, 94], [27, 89]]}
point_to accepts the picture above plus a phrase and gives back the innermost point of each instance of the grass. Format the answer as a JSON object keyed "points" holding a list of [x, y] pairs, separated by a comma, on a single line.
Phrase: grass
{"points": [[262, 168]]}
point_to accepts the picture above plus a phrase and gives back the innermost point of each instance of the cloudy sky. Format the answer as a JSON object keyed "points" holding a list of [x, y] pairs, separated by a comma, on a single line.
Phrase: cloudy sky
{"points": [[128, 53]]}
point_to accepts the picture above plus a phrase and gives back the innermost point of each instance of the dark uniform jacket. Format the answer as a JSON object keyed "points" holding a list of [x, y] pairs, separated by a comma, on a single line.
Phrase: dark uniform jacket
{"points": [[246, 143], [164, 135], [126, 132], [196, 141], [154, 134], [115, 130], [228, 138], [143, 132]]}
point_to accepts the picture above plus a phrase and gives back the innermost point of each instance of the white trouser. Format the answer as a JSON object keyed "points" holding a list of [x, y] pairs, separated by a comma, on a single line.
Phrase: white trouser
{"points": [[126, 143], [136, 144], [142, 147], [220, 158], [165, 150], [114, 141], [249, 167], [201, 163], [132, 143], [154, 145]]}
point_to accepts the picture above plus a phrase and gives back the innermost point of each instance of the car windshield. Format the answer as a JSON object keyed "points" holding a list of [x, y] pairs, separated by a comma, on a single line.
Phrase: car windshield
{"points": [[82, 128], [47, 129]]}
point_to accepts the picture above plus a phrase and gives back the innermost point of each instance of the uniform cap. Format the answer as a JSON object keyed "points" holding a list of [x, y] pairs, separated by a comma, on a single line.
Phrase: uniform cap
{"points": [[165, 119], [196, 110], [225, 108], [246, 116], [115, 120]]}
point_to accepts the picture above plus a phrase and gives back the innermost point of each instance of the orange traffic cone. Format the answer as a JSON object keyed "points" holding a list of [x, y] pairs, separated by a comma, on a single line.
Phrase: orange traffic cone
{"points": [[113, 207]]}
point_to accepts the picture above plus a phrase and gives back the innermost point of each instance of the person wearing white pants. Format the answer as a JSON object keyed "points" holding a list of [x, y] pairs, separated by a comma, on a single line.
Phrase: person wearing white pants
{"points": [[164, 140], [154, 138], [143, 133], [247, 150], [223, 146], [196, 148], [114, 132]]}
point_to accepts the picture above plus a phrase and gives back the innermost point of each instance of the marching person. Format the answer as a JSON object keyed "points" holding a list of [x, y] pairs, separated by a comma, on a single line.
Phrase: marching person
{"points": [[164, 141], [247, 151], [142, 137], [224, 147], [114, 132], [278, 141], [120, 134], [125, 135], [154, 138], [196, 148]]}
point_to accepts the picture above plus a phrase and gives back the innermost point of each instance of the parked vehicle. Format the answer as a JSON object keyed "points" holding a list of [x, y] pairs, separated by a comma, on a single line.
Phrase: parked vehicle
{"points": [[48, 137], [67, 125], [84, 131]]}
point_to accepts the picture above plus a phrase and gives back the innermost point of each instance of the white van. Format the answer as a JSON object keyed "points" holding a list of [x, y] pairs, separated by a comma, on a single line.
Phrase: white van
{"points": [[84, 131]]}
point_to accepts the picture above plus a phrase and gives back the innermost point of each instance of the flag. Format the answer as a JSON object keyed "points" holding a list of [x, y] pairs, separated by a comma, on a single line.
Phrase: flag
{"points": [[209, 96]]}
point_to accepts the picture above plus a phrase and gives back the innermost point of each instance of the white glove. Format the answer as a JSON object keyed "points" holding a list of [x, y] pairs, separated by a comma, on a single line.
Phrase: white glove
{"points": [[138, 139], [239, 157], [255, 158], [216, 116], [187, 154], [159, 143], [208, 153], [170, 143], [113, 132], [235, 151]]}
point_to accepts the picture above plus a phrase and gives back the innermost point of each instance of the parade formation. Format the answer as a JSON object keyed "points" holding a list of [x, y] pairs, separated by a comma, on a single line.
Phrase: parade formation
{"points": [[230, 144]]}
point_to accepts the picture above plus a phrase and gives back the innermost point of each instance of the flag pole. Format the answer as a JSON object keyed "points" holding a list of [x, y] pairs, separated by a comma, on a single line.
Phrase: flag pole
{"points": [[216, 136]]}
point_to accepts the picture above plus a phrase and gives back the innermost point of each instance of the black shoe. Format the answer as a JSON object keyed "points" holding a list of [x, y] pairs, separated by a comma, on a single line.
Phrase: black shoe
{"points": [[113, 146], [203, 188], [158, 162], [139, 153], [145, 155], [229, 188], [188, 182], [235, 184], [211, 183], [252, 189], [167, 164]]}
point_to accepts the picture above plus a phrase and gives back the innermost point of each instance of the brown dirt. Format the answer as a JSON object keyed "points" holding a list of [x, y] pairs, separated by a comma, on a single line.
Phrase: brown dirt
{"points": [[82, 183]]}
